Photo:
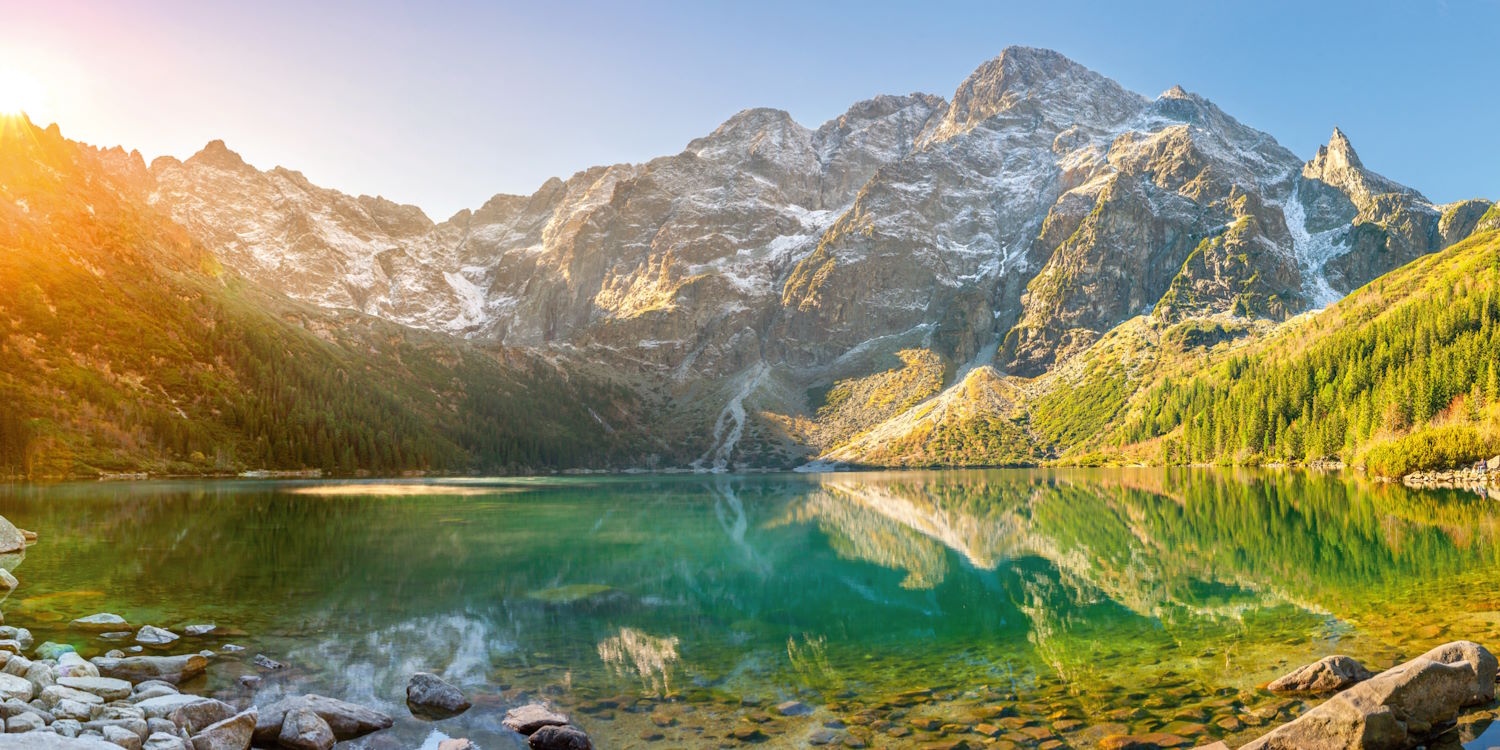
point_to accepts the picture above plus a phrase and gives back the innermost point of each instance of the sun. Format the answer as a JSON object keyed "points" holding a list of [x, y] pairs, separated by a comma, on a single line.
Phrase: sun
{"points": [[20, 92]]}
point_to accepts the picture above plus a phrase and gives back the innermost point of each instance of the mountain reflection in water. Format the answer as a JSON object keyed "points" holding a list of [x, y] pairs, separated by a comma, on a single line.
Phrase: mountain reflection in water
{"points": [[1058, 591]]}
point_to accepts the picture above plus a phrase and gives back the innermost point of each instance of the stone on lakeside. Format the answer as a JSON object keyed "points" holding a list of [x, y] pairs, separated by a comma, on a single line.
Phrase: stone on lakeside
{"points": [[108, 688], [1396, 709], [11, 538], [303, 729], [121, 736], [531, 717], [233, 733], [347, 720], [1326, 675], [15, 688], [50, 741]]}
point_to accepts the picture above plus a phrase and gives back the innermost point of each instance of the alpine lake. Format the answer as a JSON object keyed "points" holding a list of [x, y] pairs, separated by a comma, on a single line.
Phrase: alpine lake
{"points": [[1006, 608]]}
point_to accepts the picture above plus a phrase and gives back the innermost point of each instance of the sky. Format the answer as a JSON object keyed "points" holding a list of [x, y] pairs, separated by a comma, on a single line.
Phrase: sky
{"points": [[444, 104]]}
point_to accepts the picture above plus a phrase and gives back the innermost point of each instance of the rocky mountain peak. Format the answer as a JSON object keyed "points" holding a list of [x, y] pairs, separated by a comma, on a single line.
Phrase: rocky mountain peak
{"points": [[1339, 153], [1040, 83], [218, 155]]}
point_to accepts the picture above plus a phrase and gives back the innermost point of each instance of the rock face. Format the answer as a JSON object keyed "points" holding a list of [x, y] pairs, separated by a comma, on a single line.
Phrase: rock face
{"points": [[1012, 225], [1396, 709], [1326, 675], [429, 695]]}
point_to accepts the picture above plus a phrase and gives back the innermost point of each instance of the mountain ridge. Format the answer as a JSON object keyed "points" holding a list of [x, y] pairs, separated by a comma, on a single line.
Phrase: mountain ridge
{"points": [[732, 285]]}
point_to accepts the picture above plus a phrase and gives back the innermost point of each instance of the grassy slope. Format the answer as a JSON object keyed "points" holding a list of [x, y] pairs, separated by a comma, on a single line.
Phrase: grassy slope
{"points": [[123, 346]]}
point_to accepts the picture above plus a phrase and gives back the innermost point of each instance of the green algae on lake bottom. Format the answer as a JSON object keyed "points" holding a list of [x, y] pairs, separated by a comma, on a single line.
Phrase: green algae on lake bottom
{"points": [[1039, 608]]}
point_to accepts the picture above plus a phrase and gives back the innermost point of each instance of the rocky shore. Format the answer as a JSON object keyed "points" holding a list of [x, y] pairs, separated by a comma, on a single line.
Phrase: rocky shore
{"points": [[1482, 477], [53, 698]]}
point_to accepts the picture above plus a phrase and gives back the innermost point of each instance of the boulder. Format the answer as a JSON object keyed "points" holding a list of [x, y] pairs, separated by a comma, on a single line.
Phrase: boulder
{"points": [[347, 720], [70, 709], [197, 715], [1396, 709], [7, 581], [55, 694], [559, 737], [173, 669], [121, 736], [71, 664], [164, 741], [232, 733], [161, 707], [11, 538], [430, 696], [108, 688], [200, 629], [1329, 674], [51, 650], [531, 717], [25, 722], [15, 688], [304, 730]]}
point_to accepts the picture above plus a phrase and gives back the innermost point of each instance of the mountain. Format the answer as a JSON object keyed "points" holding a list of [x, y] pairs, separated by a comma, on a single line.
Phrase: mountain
{"points": [[126, 345], [919, 280], [1011, 226]]}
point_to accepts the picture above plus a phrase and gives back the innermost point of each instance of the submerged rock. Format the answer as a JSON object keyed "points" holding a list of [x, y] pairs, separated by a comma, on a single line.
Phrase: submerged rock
{"points": [[154, 636], [103, 621], [1326, 675], [429, 695], [347, 720], [559, 737], [173, 669], [1396, 709], [531, 717]]}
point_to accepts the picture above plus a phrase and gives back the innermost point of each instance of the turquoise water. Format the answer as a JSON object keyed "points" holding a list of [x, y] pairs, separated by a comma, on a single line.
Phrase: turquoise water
{"points": [[1035, 608]]}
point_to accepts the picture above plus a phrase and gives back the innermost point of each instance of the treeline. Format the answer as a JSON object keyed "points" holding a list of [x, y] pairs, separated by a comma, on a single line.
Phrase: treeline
{"points": [[1377, 375]]}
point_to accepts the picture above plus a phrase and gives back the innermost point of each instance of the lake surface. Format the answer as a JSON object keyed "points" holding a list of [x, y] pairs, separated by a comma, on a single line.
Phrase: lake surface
{"points": [[1046, 608]]}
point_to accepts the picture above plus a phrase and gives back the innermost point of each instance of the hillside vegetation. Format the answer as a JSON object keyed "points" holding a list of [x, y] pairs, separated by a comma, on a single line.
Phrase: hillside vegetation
{"points": [[1401, 375], [124, 346]]}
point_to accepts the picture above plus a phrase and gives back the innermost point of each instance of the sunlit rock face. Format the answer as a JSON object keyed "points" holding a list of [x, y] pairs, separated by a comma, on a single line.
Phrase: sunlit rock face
{"points": [[1012, 225]]}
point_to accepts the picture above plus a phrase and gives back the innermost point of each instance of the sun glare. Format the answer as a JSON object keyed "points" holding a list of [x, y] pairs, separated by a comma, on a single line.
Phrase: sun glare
{"points": [[19, 93]]}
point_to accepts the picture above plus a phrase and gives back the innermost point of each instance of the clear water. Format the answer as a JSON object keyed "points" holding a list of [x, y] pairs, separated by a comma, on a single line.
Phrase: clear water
{"points": [[1043, 608]]}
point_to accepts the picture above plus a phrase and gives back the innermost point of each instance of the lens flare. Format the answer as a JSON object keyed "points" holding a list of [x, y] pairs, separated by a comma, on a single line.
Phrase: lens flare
{"points": [[20, 93]]}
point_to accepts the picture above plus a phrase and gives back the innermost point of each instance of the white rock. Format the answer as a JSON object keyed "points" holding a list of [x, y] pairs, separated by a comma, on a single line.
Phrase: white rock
{"points": [[15, 688], [154, 636]]}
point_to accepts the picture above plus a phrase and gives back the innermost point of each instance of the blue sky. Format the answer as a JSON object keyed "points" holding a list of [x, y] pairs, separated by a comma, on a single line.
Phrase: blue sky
{"points": [[443, 104]]}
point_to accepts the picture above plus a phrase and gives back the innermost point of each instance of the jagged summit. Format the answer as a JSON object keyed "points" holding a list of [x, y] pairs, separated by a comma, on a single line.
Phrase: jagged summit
{"points": [[216, 154], [1044, 84], [1339, 153]]}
